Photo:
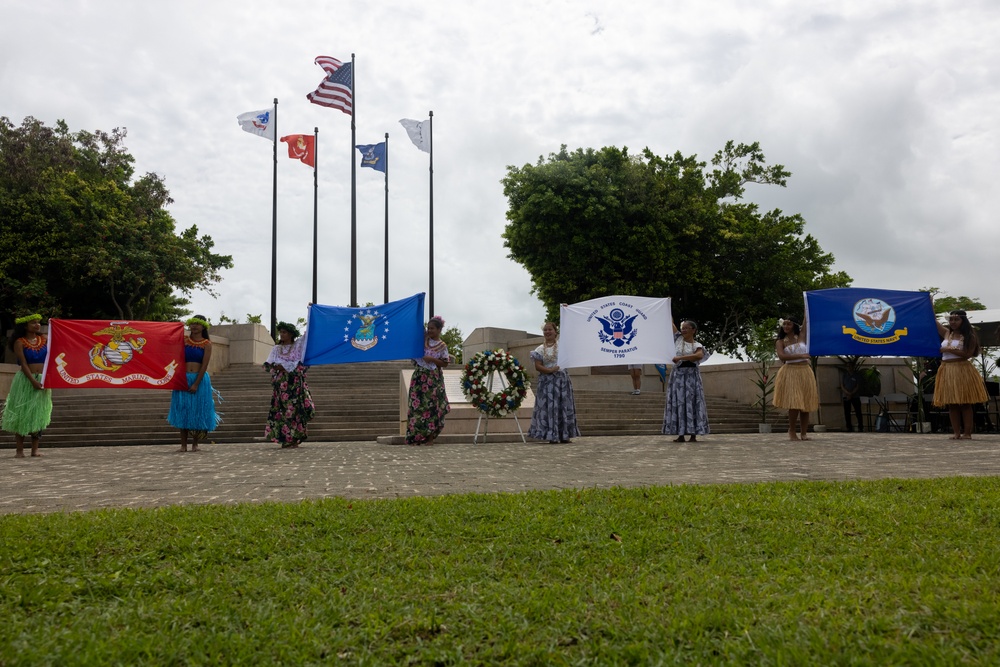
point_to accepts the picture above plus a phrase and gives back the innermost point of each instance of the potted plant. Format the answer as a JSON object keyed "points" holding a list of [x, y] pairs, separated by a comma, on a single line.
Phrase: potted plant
{"points": [[920, 377], [761, 352]]}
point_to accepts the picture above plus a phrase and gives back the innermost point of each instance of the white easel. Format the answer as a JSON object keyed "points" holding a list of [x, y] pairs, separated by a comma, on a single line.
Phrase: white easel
{"points": [[489, 390]]}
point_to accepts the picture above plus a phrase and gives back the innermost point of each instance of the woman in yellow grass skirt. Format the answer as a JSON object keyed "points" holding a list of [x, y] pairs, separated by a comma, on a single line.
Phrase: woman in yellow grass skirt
{"points": [[958, 385], [795, 385]]}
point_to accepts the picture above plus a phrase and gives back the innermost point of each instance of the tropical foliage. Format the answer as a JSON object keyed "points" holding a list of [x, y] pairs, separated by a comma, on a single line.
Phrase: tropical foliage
{"points": [[82, 237], [589, 223]]}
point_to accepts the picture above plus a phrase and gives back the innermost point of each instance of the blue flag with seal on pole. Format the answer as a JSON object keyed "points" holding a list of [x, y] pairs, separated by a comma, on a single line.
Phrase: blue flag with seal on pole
{"points": [[373, 156], [871, 322], [340, 335]]}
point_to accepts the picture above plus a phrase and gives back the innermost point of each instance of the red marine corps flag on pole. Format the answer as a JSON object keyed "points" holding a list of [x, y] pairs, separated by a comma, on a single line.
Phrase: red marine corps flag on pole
{"points": [[104, 354], [301, 147]]}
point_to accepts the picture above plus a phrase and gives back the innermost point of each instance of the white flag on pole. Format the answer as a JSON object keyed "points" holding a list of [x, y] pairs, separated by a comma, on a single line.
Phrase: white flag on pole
{"points": [[419, 131], [614, 331], [258, 122]]}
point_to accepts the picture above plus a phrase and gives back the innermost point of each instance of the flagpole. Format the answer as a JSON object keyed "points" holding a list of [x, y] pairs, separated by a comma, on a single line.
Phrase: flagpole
{"points": [[354, 197], [386, 174], [315, 207], [430, 135], [274, 226]]}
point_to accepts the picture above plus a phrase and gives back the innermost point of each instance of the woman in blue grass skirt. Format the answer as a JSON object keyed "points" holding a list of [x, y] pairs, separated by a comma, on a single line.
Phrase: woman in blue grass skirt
{"points": [[428, 401], [28, 408], [193, 410], [554, 417], [291, 403], [686, 412]]}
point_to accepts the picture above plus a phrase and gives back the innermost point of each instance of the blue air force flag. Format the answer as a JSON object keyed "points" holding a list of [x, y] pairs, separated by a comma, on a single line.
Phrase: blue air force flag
{"points": [[871, 322], [615, 330], [339, 335]]}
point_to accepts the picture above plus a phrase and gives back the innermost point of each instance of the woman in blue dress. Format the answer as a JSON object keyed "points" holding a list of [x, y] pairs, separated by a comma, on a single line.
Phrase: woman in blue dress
{"points": [[193, 410], [28, 408], [554, 418], [686, 412]]}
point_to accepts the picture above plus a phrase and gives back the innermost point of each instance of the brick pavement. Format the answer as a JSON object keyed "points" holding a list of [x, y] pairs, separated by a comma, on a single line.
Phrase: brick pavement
{"points": [[84, 478]]}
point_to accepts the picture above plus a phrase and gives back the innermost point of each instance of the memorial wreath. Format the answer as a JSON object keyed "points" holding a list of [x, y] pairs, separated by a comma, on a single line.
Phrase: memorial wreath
{"points": [[477, 387]]}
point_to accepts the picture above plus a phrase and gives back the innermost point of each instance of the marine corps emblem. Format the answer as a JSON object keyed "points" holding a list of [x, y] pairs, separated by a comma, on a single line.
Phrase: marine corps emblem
{"points": [[119, 350]]}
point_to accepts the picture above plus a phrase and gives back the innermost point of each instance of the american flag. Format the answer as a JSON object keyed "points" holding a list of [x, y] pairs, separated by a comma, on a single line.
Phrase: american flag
{"points": [[335, 90]]}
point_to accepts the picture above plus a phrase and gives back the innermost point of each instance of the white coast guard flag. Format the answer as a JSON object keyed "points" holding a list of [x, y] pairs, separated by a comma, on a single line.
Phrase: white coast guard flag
{"points": [[614, 331]]}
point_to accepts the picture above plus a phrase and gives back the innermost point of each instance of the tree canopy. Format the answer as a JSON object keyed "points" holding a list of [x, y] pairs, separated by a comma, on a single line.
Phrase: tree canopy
{"points": [[81, 238], [945, 303], [590, 223]]}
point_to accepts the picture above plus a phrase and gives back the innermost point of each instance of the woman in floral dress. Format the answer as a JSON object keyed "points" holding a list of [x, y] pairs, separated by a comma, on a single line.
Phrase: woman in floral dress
{"points": [[554, 418], [428, 401], [291, 403]]}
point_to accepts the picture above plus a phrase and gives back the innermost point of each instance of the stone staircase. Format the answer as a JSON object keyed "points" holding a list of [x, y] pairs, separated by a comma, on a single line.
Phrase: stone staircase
{"points": [[355, 402], [619, 412]]}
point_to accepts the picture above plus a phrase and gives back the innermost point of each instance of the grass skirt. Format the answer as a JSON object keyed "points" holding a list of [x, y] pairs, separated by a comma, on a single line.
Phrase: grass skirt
{"points": [[27, 410], [958, 383], [194, 412], [795, 388]]}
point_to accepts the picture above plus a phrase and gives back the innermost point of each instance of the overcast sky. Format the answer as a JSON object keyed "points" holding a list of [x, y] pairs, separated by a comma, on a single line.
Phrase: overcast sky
{"points": [[886, 113]]}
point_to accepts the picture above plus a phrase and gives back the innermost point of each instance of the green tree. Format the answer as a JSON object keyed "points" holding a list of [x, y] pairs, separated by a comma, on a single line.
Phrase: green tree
{"points": [[453, 337], [81, 237], [943, 303], [591, 222]]}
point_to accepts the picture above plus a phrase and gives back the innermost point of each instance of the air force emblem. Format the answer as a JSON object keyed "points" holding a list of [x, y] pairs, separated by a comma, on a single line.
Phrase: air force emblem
{"points": [[366, 335]]}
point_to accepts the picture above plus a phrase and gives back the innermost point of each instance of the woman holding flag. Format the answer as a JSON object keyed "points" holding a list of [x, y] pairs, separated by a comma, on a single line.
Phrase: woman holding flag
{"points": [[554, 417], [28, 408], [686, 411], [193, 410], [958, 385], [291, 403], [795, 385], [427, 399]]}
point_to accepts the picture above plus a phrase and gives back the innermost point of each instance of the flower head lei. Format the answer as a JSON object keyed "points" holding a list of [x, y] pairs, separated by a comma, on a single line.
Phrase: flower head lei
{"points": [[197, 320], [290, 328], [28, 318]]}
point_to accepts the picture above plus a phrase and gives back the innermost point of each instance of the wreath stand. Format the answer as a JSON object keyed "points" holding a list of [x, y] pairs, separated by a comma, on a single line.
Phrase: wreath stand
{"points": [[489, 388]]}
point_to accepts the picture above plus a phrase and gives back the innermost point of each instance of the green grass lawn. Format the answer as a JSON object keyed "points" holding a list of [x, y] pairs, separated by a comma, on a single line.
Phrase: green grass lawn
{"points": [[887, 572]]}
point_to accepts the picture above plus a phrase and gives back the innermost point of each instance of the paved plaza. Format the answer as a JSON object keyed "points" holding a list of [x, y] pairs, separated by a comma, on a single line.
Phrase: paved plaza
{"points": [[85, 478]]}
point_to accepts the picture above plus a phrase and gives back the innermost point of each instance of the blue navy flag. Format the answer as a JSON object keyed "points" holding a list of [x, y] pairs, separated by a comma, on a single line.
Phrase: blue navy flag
{"points": [[337, 335], [373, 156], [871, 322]]}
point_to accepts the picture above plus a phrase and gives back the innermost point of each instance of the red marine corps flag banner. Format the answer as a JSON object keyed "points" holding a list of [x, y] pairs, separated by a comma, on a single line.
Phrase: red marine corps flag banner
{"points": [[105, 354]]}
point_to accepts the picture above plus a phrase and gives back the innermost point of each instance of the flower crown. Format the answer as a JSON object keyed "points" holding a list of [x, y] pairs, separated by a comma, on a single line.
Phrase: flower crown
{"points": [[28, 318], [197, 320], [290, 328]]}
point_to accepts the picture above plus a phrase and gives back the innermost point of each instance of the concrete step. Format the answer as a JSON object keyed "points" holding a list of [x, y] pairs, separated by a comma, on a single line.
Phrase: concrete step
{"points": [[355, 402]]}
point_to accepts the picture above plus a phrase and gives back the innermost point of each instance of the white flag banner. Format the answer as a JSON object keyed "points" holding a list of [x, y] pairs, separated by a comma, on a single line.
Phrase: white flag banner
{"points": [[419, 131], [260, 123], [614, 331]]}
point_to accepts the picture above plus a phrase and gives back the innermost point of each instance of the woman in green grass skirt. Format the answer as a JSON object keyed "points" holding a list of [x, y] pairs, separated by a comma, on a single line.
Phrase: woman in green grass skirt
{"points": [[28, 408]]}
